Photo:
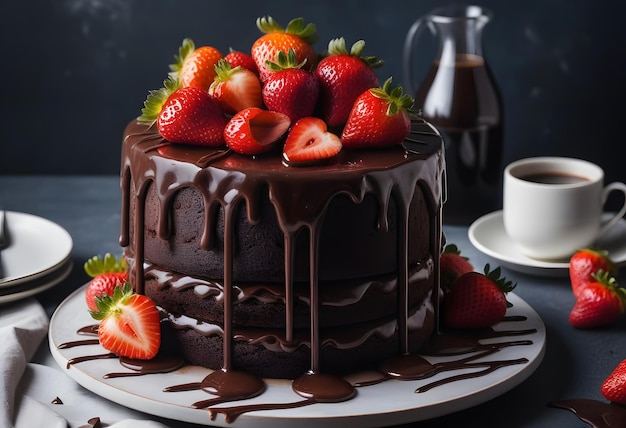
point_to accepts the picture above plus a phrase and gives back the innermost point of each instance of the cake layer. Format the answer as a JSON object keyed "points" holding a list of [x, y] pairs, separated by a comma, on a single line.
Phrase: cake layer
{"points": [[262, 305], [356, 204]]}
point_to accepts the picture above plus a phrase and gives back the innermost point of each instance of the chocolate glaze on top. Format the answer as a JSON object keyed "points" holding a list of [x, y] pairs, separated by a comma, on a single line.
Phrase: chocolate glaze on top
{"points": [[300, 197]]}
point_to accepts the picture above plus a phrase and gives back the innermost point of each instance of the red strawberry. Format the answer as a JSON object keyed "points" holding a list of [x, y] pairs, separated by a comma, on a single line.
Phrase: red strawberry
{"points": [[253, 131], [195, 67], [586, 262], [614, 386], [452, 265], [309, 141], [129, 324], [476, 300], [599, 303], [343, 77], [241, 59], [107, 272], [296, 36], [379, 118], [185, 115], [236, 88], [289, 89]]}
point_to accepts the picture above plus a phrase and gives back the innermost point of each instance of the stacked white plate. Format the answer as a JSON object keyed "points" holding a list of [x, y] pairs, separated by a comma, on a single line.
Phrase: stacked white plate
{"points": [[37, 258]]}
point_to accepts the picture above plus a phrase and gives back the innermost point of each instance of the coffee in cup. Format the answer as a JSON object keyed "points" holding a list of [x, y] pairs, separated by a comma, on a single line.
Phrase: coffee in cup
{"points": [[554, 206]]}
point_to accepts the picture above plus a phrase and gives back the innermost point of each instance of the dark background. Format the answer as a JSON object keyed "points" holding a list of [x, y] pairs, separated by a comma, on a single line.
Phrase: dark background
{"points": [[76, 71]]}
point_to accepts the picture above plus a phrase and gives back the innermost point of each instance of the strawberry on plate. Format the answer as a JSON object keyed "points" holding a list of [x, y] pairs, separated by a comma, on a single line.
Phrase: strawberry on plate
{"points": [[195, 67], [186, 115], [379, 118], [129, 324], [107, 272], [343, 76], [253, 130], [296, 36], [289, 88], [599, 303], [614, 386], [310, 141], [586, 262], [235, 88], [476, 300], [452, 265]]}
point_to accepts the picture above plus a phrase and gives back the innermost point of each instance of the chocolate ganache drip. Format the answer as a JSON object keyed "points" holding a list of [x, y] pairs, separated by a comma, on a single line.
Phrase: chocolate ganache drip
{"points": [[300, 197]]}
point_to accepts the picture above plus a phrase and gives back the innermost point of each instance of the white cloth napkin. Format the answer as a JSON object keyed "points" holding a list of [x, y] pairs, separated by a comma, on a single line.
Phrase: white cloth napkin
{"points": [[28, 390]]}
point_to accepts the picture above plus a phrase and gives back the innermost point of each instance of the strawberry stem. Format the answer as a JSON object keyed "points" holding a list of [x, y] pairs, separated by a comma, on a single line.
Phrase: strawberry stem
{"points": [[107, 264]]}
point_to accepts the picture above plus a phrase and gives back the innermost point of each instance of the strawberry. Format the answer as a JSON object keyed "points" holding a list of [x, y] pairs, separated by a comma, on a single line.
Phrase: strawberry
{"points": [[107, 272], [253, 131], [185, 115], [236, 88], [584, 263], [343, 77], [129, 324], [289, 89], [452, 265], [195, 67], [241, 59], [379, 118], [599, 303], [476, 300], [296, 36], [309, 141], [614, 386]]}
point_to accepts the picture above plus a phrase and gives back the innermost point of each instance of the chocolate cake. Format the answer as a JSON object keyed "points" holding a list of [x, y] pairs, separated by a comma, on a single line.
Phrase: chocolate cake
{"points": [[277, 270]]}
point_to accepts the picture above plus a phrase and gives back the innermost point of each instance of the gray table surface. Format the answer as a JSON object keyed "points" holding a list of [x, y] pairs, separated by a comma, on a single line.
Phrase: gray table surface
{"points": [[575, 363]]}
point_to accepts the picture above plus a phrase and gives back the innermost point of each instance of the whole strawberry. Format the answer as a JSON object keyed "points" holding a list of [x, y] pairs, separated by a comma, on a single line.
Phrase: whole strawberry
{"points": [[129, 324], [599, 303], [289, 89], [586, 262], [195, 66], [235, 88], [107, 273], [379, 118], [476, 300], [186, 115], [296, 36], [241, 59], [614, 386], [452, 265], [343, 77]]}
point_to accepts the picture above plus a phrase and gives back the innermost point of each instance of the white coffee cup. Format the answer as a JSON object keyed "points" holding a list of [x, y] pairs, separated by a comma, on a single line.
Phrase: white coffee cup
{"points": [[554, 206]]}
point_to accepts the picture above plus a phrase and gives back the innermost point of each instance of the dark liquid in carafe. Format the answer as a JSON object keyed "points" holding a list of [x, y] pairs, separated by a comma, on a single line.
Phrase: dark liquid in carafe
{"points": [[463, 103]]}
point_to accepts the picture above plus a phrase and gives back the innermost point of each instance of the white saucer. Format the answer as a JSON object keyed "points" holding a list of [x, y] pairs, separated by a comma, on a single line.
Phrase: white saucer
{"points": [[23, 290], [388, 403], [38, 246], [487, 234]]}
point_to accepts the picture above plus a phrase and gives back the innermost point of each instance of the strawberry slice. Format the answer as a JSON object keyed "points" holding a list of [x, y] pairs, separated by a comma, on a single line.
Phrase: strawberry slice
{"points": [[310, 141], [129, 324], [235, 88], [253, 130]]}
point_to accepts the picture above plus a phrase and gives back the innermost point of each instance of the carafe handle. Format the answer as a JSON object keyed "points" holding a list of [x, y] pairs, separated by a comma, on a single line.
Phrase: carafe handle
{"points": [[409, 47]]}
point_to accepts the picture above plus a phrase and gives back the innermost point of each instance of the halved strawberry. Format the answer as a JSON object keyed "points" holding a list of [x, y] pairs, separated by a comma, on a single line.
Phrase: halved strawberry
{"points": [[253, 130], [129, 324], [235, 88], [309, 140], [195, 67], [107, 272]]}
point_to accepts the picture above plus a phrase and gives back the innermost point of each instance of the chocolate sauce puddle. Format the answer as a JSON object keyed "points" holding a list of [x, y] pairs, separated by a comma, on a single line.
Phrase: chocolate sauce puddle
{"points": [[597, 414]]}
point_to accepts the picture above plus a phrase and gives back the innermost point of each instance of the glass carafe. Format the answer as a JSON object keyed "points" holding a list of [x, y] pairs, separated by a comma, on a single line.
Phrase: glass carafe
{"points": [[460, 98]]}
